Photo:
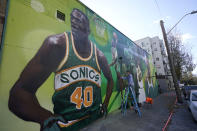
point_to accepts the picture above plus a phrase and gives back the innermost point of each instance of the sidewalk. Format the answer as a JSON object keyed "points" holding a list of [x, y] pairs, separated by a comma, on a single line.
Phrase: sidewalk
{"points": [[182, 119], [153, 118]]}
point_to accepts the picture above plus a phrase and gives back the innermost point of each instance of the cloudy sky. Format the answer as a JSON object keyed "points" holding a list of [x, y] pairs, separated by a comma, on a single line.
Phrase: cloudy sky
{"points": [[140, 18]]}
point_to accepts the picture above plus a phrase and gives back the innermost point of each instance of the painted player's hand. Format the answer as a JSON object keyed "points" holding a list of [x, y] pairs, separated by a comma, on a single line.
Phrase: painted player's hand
{"points": [[51, 123], [103, 110]]}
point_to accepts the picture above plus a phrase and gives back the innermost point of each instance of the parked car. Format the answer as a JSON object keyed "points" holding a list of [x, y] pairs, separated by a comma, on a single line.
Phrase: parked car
{"points": [[192, 103], [187, 89]]}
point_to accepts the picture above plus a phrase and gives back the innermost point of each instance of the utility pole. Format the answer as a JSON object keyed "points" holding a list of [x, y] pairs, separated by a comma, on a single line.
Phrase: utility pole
{"points": [[175, 81]]}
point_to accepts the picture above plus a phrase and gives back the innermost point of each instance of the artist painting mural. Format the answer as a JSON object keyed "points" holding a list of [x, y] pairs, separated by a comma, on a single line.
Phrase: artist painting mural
{"points": [[138, 62], [67, 66]]}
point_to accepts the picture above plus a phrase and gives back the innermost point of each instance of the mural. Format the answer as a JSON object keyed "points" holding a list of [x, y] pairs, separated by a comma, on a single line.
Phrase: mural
{"points": [[62, 50]]}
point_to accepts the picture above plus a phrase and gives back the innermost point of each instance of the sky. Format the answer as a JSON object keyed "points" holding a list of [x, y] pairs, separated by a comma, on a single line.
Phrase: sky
{"points": [[140, 18]]}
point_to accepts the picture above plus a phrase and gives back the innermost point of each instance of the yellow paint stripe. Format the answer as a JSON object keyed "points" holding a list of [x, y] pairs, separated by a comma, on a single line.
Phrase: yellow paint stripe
{"points": [[76, 53], [66, 53], [96, 58]]}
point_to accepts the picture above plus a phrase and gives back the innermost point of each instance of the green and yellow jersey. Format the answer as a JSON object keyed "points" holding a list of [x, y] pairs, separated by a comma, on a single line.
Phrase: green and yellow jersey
{"points": [[77, 85]]}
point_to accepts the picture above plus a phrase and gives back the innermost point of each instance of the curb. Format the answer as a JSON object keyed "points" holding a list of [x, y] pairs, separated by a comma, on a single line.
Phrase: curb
{"points": [[169, 118]]}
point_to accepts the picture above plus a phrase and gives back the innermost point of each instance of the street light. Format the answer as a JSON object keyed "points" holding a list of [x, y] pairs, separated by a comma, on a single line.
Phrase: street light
{"points": [[193, 12], [175, 81]]}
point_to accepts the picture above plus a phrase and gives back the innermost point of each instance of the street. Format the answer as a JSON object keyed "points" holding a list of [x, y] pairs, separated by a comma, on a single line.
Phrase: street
{"points": [[153, 118]]}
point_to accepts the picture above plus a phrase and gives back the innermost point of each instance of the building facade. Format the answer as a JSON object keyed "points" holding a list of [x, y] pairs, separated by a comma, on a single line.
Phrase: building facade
{"points": [[155, 47]]}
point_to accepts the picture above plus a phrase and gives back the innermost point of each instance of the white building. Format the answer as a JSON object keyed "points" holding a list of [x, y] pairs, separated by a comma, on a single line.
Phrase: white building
{"points": [[155, 47]]}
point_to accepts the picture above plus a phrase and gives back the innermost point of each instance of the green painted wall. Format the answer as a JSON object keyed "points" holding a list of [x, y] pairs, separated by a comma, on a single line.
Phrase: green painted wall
{"points": [[29, 22]]}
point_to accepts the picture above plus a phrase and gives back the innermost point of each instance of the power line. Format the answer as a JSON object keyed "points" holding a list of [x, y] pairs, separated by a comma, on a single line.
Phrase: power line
{"points": [[155, 1]]}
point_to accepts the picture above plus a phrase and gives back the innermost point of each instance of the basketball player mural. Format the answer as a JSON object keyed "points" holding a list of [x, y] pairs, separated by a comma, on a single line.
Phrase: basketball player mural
{"points": [[149, 79], [116, 63], [142, 95], [77, 65]]}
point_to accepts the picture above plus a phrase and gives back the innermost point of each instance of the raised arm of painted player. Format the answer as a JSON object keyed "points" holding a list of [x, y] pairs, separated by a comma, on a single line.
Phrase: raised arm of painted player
{"points": [[107, 73], [23, 101]]}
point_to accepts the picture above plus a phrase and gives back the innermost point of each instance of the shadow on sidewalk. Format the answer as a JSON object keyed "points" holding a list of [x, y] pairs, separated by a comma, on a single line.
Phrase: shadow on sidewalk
{"points": [[182, 119], [153, 118]]}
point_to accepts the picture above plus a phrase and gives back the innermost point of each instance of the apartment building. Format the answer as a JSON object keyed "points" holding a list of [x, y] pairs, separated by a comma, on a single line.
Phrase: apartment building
{"points": [[155, 47]]}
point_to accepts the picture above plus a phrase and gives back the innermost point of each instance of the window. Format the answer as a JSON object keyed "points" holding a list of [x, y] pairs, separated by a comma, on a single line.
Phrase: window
{"points": [[142, 44], [154, 43], [60, 15], [155, 49], [157, 59], [194, 96]]}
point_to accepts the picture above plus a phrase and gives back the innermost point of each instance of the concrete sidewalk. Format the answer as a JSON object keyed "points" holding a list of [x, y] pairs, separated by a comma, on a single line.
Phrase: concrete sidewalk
{"points": [[153, 118], [182, 119]]}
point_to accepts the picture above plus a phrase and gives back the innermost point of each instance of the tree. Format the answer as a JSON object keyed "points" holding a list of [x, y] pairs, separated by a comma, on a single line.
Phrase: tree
{"points": [[189, 79], [182, 59]]}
